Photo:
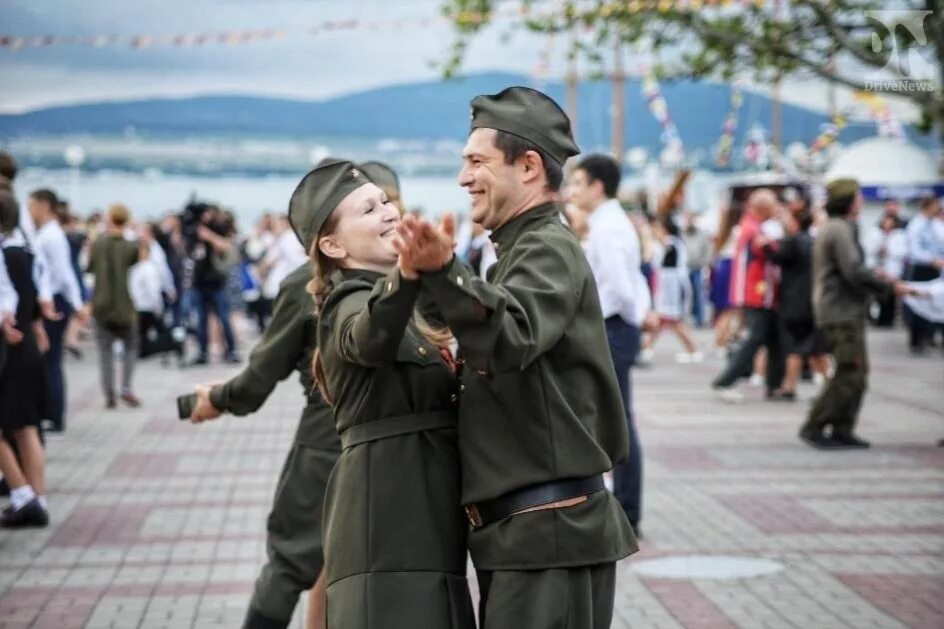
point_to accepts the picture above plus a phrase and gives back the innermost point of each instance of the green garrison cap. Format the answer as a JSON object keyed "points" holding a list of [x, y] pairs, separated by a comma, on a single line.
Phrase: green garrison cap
{"points": [[841, 189], [382, 175], [529, 114], [318, 194]]}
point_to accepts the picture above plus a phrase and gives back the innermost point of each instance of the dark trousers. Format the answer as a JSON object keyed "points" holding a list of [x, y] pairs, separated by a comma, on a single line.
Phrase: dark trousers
{"points": [[154, 337], [627, 476], [920, 330], [762, 331], [886, 311], [217, 301], [56, 331], [293, 543], [698, 297], [562, 598], [839, 403]]}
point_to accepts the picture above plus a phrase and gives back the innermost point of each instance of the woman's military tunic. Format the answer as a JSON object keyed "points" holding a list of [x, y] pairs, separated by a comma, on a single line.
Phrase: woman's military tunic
{"points": [[395, 533]]}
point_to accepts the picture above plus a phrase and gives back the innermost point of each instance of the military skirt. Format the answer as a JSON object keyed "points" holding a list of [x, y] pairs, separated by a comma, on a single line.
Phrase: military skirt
{"points": [[395, 533]]}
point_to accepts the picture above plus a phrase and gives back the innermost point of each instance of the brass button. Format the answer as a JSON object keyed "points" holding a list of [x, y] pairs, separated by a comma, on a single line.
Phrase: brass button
{"points": [[421, 350], [461, 387], [459, 281], [453, 397]]}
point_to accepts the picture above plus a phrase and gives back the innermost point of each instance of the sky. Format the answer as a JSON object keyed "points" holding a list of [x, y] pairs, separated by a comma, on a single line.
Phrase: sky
{"points": [[298, 65]]}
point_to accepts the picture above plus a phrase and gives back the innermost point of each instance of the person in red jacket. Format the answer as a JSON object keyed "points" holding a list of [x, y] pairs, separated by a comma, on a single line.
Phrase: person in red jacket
{"points": [[754, 287]]}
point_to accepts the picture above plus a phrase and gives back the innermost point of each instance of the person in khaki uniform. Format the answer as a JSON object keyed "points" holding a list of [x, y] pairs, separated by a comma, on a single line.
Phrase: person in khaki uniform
{"points": [[842, 292], [540, 414], [293, 540], [394, 532]]}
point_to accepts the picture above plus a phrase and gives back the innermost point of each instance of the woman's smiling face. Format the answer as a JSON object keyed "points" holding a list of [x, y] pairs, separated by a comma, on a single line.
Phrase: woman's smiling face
{"points": [[365, 232]]}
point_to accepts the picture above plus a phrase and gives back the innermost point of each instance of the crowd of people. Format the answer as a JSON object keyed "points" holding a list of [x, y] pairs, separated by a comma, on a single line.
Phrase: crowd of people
{"points": [[422, 349]]}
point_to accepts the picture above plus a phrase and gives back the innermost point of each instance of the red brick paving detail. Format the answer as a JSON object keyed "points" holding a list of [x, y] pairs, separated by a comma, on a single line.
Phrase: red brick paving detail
{"points": [[130, 589], [143, 465], [683, 458], [785, 515], [928, 456], [48, 607], [777, 514], [686, 602], [231, 587], [104, 525], [916, 600]]}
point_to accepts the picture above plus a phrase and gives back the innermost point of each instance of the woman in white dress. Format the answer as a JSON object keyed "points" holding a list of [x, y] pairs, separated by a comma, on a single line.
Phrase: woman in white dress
{"points": [[673, 291]]}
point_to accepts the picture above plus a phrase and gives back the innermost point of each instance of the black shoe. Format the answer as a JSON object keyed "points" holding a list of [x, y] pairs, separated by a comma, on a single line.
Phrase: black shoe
{"points": [[851, 441], [5, 489], [110, 402], [820, 442], [199, 360], [781, 396], [75, 351], [940, 444], [232, 358], [30, 514]]}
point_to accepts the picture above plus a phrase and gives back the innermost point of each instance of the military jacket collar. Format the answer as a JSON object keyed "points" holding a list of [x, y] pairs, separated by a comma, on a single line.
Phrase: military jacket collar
{"points": [[507, 234]]}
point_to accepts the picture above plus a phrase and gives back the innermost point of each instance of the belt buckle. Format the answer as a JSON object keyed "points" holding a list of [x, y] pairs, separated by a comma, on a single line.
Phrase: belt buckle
{"points": [[473, 515]]}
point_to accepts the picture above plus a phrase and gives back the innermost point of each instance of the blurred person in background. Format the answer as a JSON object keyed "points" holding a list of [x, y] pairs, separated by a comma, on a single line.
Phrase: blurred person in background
{"points": [[841, 299], [726, 317], [698, 257], [78, 239], [799, 336], [282, 258], [211, 270], [754, 287], [51, 243], [886, 250], [613, 252], [110, 262], [151, 286], [672, 296], [22, 383], [926, 258], [254, 251]]}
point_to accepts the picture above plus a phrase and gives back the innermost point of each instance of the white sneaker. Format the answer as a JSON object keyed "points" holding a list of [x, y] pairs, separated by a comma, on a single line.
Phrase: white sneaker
{"points": [[729, 395], [685, 358], [756, 380], [819, 379], [645, 356]]}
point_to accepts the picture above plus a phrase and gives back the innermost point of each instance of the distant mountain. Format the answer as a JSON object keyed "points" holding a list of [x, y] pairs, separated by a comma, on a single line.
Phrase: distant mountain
{"points": [[437, 109]]}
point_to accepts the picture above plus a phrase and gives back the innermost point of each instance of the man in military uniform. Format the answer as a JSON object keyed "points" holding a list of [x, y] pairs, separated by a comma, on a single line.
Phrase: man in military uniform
{"points": [[540, 415], [842, 290]]}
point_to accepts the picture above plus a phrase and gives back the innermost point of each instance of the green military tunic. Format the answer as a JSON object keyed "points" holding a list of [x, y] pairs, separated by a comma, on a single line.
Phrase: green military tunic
{"points": [[540, 403], [294, 524], [395, 535]]}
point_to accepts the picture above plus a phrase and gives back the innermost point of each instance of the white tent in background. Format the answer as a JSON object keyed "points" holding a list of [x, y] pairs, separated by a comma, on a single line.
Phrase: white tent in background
{"points": [[888, 168]]}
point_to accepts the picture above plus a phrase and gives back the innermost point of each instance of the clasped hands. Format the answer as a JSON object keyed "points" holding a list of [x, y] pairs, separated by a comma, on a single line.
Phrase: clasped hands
{"points": [[423, 246]]}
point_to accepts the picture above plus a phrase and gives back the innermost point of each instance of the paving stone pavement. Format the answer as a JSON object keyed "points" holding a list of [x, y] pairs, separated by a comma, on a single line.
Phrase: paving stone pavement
{"points": [[158, 523]]}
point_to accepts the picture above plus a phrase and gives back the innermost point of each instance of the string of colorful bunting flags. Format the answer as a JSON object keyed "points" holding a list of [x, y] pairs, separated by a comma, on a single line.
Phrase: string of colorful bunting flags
{"points": [[249, 36]]}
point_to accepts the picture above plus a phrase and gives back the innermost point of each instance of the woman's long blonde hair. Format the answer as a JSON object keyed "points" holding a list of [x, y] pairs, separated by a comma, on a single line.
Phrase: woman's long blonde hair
{"points": [[321, 285]]}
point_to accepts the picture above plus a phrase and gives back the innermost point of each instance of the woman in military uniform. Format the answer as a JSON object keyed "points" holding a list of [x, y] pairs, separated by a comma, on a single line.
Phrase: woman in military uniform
{"points": [[394, 531]]}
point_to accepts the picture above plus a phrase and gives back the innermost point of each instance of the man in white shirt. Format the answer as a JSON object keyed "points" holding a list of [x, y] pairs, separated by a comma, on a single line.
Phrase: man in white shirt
{"points": [[926, 257], [612, 248], [52, 246]]}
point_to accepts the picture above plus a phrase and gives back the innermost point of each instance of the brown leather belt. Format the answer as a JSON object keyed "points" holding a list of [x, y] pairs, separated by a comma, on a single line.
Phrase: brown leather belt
{"points": [[488, 511]]}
